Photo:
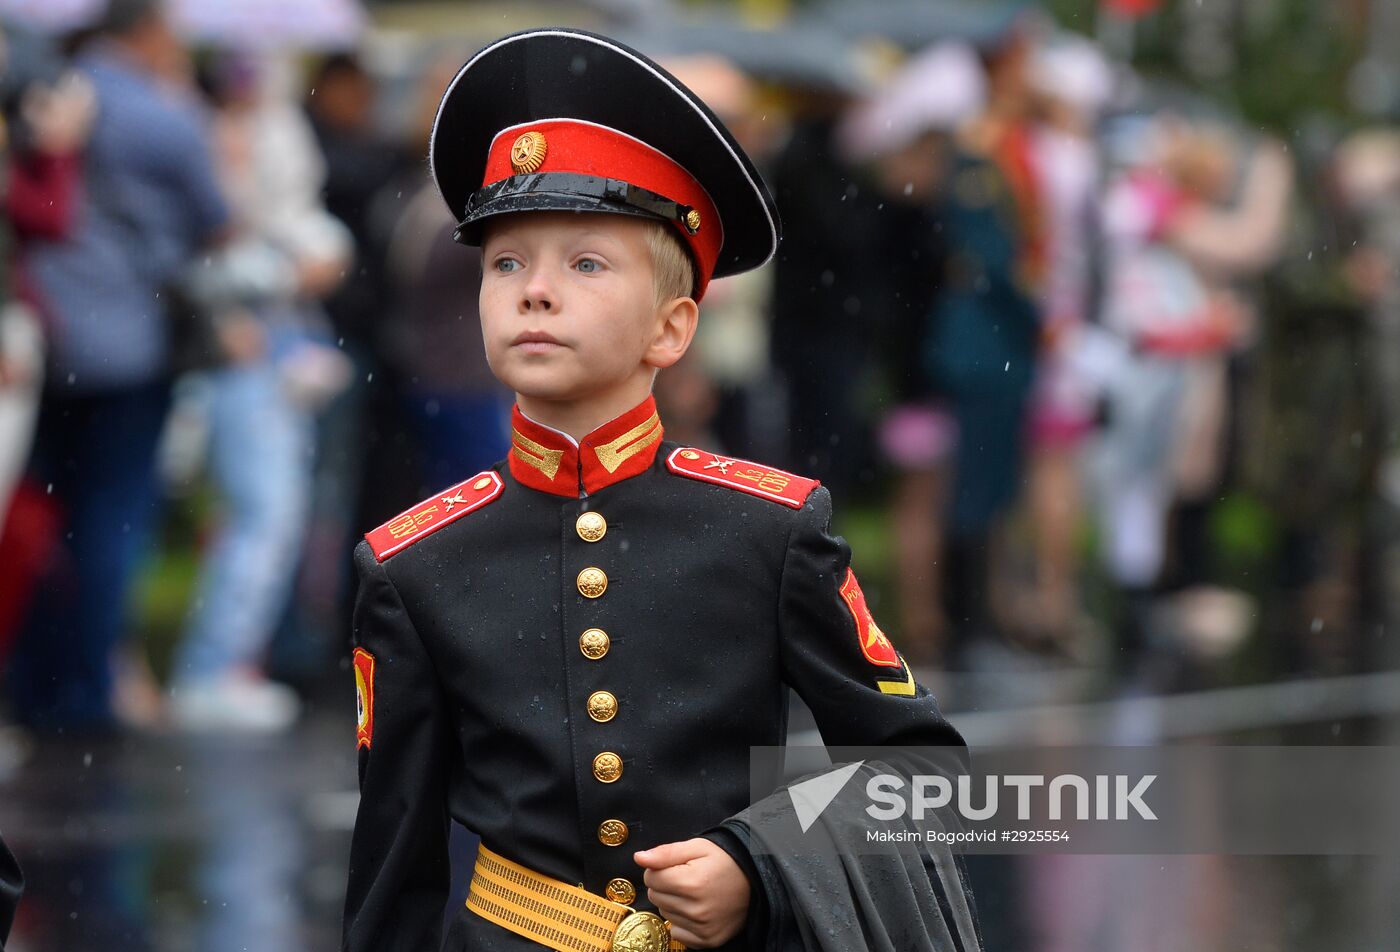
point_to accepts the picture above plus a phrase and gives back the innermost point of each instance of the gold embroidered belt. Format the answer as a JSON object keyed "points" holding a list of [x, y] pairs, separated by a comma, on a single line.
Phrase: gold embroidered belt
{"points": [[560, 916]]}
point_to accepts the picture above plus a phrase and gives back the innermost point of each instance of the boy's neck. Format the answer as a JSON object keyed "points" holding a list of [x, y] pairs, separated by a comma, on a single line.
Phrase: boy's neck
{"points": [[578, 418]]}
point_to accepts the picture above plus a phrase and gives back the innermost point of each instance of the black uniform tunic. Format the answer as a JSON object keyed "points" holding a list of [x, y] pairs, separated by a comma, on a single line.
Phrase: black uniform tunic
{"points": [[484, 706]]}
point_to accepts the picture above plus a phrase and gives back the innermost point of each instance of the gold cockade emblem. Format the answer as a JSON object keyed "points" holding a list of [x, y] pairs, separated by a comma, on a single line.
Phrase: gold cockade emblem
{"points": [[528, 152]]}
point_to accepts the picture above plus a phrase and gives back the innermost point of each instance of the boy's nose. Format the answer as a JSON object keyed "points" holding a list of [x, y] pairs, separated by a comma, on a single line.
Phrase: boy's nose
{"points": [[537, 295]]}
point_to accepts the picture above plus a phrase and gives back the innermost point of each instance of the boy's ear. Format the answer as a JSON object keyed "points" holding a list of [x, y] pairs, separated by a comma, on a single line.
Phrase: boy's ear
{"points": [[675, 328]]}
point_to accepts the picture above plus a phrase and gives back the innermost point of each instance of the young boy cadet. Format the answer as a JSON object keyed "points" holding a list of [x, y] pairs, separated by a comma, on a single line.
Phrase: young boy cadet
{"points": [[572, 653]]}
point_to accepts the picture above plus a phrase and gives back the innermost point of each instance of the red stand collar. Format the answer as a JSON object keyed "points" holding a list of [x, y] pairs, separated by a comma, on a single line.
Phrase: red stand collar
{"points": [[545, 459]]}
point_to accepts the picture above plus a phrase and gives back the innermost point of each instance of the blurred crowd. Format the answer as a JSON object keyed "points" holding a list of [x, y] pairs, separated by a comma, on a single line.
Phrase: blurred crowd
{"points": [[1029, 309]]}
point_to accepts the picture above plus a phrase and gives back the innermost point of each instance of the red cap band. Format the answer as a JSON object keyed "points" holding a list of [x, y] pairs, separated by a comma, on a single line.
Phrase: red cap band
{"points": [[585, 148]]}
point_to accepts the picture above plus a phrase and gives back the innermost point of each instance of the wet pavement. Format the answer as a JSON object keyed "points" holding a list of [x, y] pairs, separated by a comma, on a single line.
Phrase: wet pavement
{"points": [[182, 843], [221, 844]]}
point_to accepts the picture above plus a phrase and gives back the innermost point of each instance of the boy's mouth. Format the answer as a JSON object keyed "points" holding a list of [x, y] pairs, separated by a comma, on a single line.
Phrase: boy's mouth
{"points": [[536, 342]]}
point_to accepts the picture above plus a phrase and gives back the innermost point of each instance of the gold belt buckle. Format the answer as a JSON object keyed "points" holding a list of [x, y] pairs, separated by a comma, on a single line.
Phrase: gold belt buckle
{"points": [[642, 932]]}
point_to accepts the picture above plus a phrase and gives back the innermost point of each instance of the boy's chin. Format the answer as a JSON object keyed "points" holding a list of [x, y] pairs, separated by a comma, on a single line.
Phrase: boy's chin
{"points": [[552, 391], [573, 394]]}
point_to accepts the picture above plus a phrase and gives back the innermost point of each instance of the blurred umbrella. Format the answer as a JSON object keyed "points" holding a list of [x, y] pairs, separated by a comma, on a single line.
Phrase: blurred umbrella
{"points": [[247, 24], [915, 24], [806, 55], [259, 24], [1074, 70], [937, 90], [51, 16]]}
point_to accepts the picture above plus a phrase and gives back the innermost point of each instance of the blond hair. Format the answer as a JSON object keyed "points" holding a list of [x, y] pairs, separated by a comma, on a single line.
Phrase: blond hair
{"points": [[673, 273]]}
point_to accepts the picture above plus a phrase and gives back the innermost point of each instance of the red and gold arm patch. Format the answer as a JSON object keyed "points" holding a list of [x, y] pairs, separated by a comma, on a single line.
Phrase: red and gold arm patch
{"points": [[364, 697], [433, 513], [752, 478], [873, 643]]}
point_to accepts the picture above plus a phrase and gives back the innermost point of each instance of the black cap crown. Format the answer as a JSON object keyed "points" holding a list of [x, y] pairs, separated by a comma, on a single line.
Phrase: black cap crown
{"points": [[582, 115]]}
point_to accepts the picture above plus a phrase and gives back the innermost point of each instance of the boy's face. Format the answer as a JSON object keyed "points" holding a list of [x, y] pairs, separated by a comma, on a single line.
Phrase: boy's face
{"points": [[568, 309]]}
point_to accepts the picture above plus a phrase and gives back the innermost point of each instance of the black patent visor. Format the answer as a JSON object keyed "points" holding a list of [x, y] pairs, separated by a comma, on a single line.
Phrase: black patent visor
{"points": [[566, 191]]}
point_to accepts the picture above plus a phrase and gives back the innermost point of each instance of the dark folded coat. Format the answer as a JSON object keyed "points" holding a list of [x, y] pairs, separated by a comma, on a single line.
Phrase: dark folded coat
{"points": [[830, 890], [11, 885]]}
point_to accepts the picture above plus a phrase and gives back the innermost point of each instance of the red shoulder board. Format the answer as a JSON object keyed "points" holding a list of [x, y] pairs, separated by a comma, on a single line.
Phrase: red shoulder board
{"points": [[433, 513], [752, 478]]}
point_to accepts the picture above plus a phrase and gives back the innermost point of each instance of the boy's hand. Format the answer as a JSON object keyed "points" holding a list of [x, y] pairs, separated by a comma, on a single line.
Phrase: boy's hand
{"points": [[699, 887]]}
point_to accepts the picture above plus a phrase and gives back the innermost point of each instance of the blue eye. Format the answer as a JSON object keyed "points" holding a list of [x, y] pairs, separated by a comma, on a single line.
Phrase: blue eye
{"points": [[507, 265], [588, 266]]}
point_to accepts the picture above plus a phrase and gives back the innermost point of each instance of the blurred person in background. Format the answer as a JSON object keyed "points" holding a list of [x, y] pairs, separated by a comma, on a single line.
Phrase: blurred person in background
{"points": [[341, 101], [1230, 228], [823, 274], [1072, 84], [1367, 172], [48, 112], [721, 394], [280, 369], [1365, 202], [905, 134], [431, 334], [1231, 231], [1148, 288], [150, 201], [985, 328], [340, 104], [1175, 242]]}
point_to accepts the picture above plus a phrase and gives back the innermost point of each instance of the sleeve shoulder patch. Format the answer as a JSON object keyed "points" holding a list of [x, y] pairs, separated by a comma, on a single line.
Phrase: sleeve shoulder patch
{"points": [[364, 697], [874, 644], [430, 515], [752, 478]]}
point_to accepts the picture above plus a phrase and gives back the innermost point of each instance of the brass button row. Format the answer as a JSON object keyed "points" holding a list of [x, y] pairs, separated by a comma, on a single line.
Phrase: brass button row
{"points": [[592, 582], [602, 705]]}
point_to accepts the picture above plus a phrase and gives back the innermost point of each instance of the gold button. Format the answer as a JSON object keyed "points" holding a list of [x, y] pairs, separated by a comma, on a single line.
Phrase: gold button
{"points": [[689, 454], [607, 767], [594, 643], [602, 706], [612, 832], [482, 483], [591, 526], [620, 890], [592, 582]]}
